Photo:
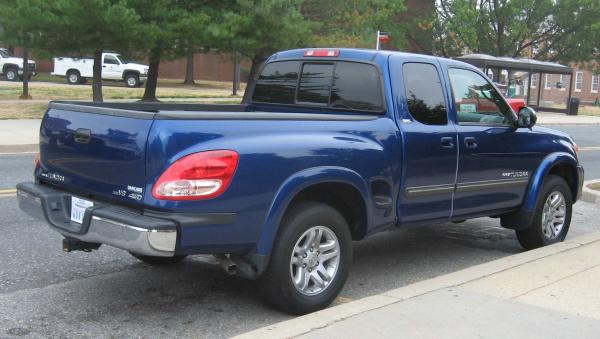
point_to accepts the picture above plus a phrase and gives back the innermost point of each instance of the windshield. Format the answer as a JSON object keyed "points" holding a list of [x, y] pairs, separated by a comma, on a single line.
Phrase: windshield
{"points": [[4, 53]]}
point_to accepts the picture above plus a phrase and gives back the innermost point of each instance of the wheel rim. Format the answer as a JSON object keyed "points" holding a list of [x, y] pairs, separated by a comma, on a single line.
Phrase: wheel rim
{"points": [[10, 75], [315, 260], [73, 78], [554, 214], [131, 81]]}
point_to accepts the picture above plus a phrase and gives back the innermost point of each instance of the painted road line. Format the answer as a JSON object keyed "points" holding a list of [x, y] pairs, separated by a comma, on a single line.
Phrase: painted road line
{"points": [[590, 148], [18, 153], [9, 190]]}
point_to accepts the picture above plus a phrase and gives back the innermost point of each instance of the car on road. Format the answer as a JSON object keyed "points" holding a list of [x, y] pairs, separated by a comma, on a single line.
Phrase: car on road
{"points": [[114, 67], [12, 67], [335, 145]]}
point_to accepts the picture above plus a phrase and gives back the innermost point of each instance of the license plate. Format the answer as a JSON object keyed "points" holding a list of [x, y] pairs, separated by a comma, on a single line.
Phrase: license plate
{"points": [[78, 207]]}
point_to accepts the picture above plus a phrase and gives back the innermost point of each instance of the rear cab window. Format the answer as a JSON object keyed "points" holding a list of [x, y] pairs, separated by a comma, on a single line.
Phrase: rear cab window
{"points": [[337, 85]]}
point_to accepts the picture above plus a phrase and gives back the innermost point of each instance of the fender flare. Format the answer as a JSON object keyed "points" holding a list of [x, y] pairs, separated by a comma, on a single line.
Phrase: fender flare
{"points": [[535, 185], [127, 71], [7, 66], [294, 185]]}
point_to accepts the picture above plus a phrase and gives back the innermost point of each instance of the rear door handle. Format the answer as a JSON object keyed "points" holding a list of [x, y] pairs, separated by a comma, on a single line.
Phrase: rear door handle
{"points": [[447, 142], [83, 135], [470, 142]]}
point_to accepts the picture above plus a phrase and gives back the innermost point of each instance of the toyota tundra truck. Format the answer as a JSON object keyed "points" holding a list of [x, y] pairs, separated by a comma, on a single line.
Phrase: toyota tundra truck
{"points": [[334, 146]]}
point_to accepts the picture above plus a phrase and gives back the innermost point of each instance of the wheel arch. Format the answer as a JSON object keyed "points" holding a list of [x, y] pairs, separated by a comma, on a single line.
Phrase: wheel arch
{"points": [[130, 71], [339, 187], [561, 164], [7, 66]]}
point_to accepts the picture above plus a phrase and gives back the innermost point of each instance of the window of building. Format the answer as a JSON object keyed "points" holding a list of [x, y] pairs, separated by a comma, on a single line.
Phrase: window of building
{"points": [[578, 81], [534, 80], [477, 101], [547, 80], [563, 82], [595, 83], [424, 95]]}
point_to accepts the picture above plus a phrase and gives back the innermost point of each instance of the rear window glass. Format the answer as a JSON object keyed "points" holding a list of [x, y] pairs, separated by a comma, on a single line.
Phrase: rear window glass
{"points": [[315, 83], [424, 94], [277, 83], [341, 85]]}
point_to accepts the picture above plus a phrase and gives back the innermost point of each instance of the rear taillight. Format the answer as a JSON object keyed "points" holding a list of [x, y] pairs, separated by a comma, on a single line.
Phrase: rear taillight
{"points": [[36, 161], [197, 176]]}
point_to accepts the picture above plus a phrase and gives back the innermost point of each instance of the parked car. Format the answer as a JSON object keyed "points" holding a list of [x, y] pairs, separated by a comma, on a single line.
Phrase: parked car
{"points": [[114, 67], [12, 67], [336, 145]]}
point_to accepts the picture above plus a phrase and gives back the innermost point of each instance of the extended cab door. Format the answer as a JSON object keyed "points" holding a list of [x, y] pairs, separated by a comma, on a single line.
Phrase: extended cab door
{"points": [[111, 68], [495, 159], [430, 140]]}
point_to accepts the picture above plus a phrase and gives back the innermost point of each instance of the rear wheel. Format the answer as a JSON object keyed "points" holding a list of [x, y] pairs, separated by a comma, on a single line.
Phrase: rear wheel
{"points": [[11, 74], [159, 261], [73, 77], [310, 260], [552, 215]]}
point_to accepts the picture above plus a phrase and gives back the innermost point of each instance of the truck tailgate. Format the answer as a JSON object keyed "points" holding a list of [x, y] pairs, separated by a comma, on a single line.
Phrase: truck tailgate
{"points": [[97, 152]]}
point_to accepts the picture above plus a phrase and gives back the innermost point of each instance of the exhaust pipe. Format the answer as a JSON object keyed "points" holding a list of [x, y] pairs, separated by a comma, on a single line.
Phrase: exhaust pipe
{"points": [[227, 264]]}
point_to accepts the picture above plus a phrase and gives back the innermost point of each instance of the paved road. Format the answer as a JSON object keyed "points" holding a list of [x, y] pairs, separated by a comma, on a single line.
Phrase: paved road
{"points": [[45, 292], [588, 138]]}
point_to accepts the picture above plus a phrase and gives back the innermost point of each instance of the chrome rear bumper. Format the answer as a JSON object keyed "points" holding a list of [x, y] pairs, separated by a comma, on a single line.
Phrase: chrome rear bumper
{"points": [[103, 223]]}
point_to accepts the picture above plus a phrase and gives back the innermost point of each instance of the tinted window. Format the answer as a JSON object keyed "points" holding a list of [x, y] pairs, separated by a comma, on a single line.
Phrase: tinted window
{"points": [[424, 94], [476, 100], [315, 83], [277, 83], [356, 86]]}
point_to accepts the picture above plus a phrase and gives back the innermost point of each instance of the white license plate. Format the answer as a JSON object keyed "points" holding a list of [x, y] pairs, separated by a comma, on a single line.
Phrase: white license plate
{"points": [[78, 207]]}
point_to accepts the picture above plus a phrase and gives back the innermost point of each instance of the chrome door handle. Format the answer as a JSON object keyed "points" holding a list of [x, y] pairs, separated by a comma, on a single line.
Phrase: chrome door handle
{"points": [[470, 142], [447, 142]]}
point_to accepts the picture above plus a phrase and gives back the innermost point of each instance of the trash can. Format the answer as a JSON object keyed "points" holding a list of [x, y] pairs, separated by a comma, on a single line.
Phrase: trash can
{"points": [[573, 107]]}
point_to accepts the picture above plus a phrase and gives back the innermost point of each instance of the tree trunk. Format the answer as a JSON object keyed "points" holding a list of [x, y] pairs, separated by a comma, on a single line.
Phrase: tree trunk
{"points": [[236, 73], [150, 91], [256, 64], [189, 69], [11, 50], [25, 94], [97, 77]]}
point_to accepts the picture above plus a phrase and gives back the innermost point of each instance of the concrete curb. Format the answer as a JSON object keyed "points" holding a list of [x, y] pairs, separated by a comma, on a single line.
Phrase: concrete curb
{"points": [[304, 324], [589, 194]]}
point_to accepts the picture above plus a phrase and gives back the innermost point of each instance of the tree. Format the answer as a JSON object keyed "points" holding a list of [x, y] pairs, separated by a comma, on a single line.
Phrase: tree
{"points": [[21, 26], [256, 29], [555, 30], [91, 26], [354, 23]]}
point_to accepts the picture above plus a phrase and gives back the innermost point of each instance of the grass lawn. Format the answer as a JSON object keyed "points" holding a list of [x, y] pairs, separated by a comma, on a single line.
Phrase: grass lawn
{"points": [[589, 110], [42, 89]]}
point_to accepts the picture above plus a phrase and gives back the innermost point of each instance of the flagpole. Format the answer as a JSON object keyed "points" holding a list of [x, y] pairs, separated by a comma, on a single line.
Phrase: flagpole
{"points": [[377, 43]]}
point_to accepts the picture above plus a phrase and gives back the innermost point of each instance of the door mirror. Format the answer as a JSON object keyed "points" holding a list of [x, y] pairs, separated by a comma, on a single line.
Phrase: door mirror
{"points": [[527, 117]]}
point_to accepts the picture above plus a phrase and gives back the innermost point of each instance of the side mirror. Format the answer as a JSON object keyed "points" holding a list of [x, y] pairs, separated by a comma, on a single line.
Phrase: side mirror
{"points": [[527, 117]]}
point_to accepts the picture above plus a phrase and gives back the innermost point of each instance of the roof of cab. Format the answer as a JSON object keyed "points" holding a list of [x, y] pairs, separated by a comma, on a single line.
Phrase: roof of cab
{"points": [[356, 54]]}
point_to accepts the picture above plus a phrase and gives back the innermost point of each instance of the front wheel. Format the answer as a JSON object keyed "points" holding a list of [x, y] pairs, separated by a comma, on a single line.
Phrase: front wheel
{"points": [[310, 260], [552, 215], [132, 80], [11, 74]]}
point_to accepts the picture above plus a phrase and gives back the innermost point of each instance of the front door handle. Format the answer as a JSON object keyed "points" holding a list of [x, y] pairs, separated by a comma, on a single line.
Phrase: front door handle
{"points": [[447, 142], [470, 142]]}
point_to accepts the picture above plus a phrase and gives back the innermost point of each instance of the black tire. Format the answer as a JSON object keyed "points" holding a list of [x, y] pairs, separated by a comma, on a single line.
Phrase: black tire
{"points": [[533, 236], [132, 80], [11, 74], [159, 261], [73, 77], [276, 283]]}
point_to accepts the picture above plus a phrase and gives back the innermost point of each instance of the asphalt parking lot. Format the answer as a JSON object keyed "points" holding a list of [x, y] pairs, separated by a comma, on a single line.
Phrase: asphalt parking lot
{"points": [[47, 293]]}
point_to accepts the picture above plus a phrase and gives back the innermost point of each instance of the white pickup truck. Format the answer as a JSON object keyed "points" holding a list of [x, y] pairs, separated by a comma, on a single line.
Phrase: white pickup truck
{"points": [[12, 67], [114, 67]]}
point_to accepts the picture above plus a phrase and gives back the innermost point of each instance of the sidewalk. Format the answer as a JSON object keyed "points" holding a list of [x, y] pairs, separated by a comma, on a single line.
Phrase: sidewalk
{"points": [[563, 119], [550, 292]]}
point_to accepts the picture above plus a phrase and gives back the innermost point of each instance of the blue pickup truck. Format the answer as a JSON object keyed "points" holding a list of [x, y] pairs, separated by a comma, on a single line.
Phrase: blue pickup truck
{"points": [[335, 145]]}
